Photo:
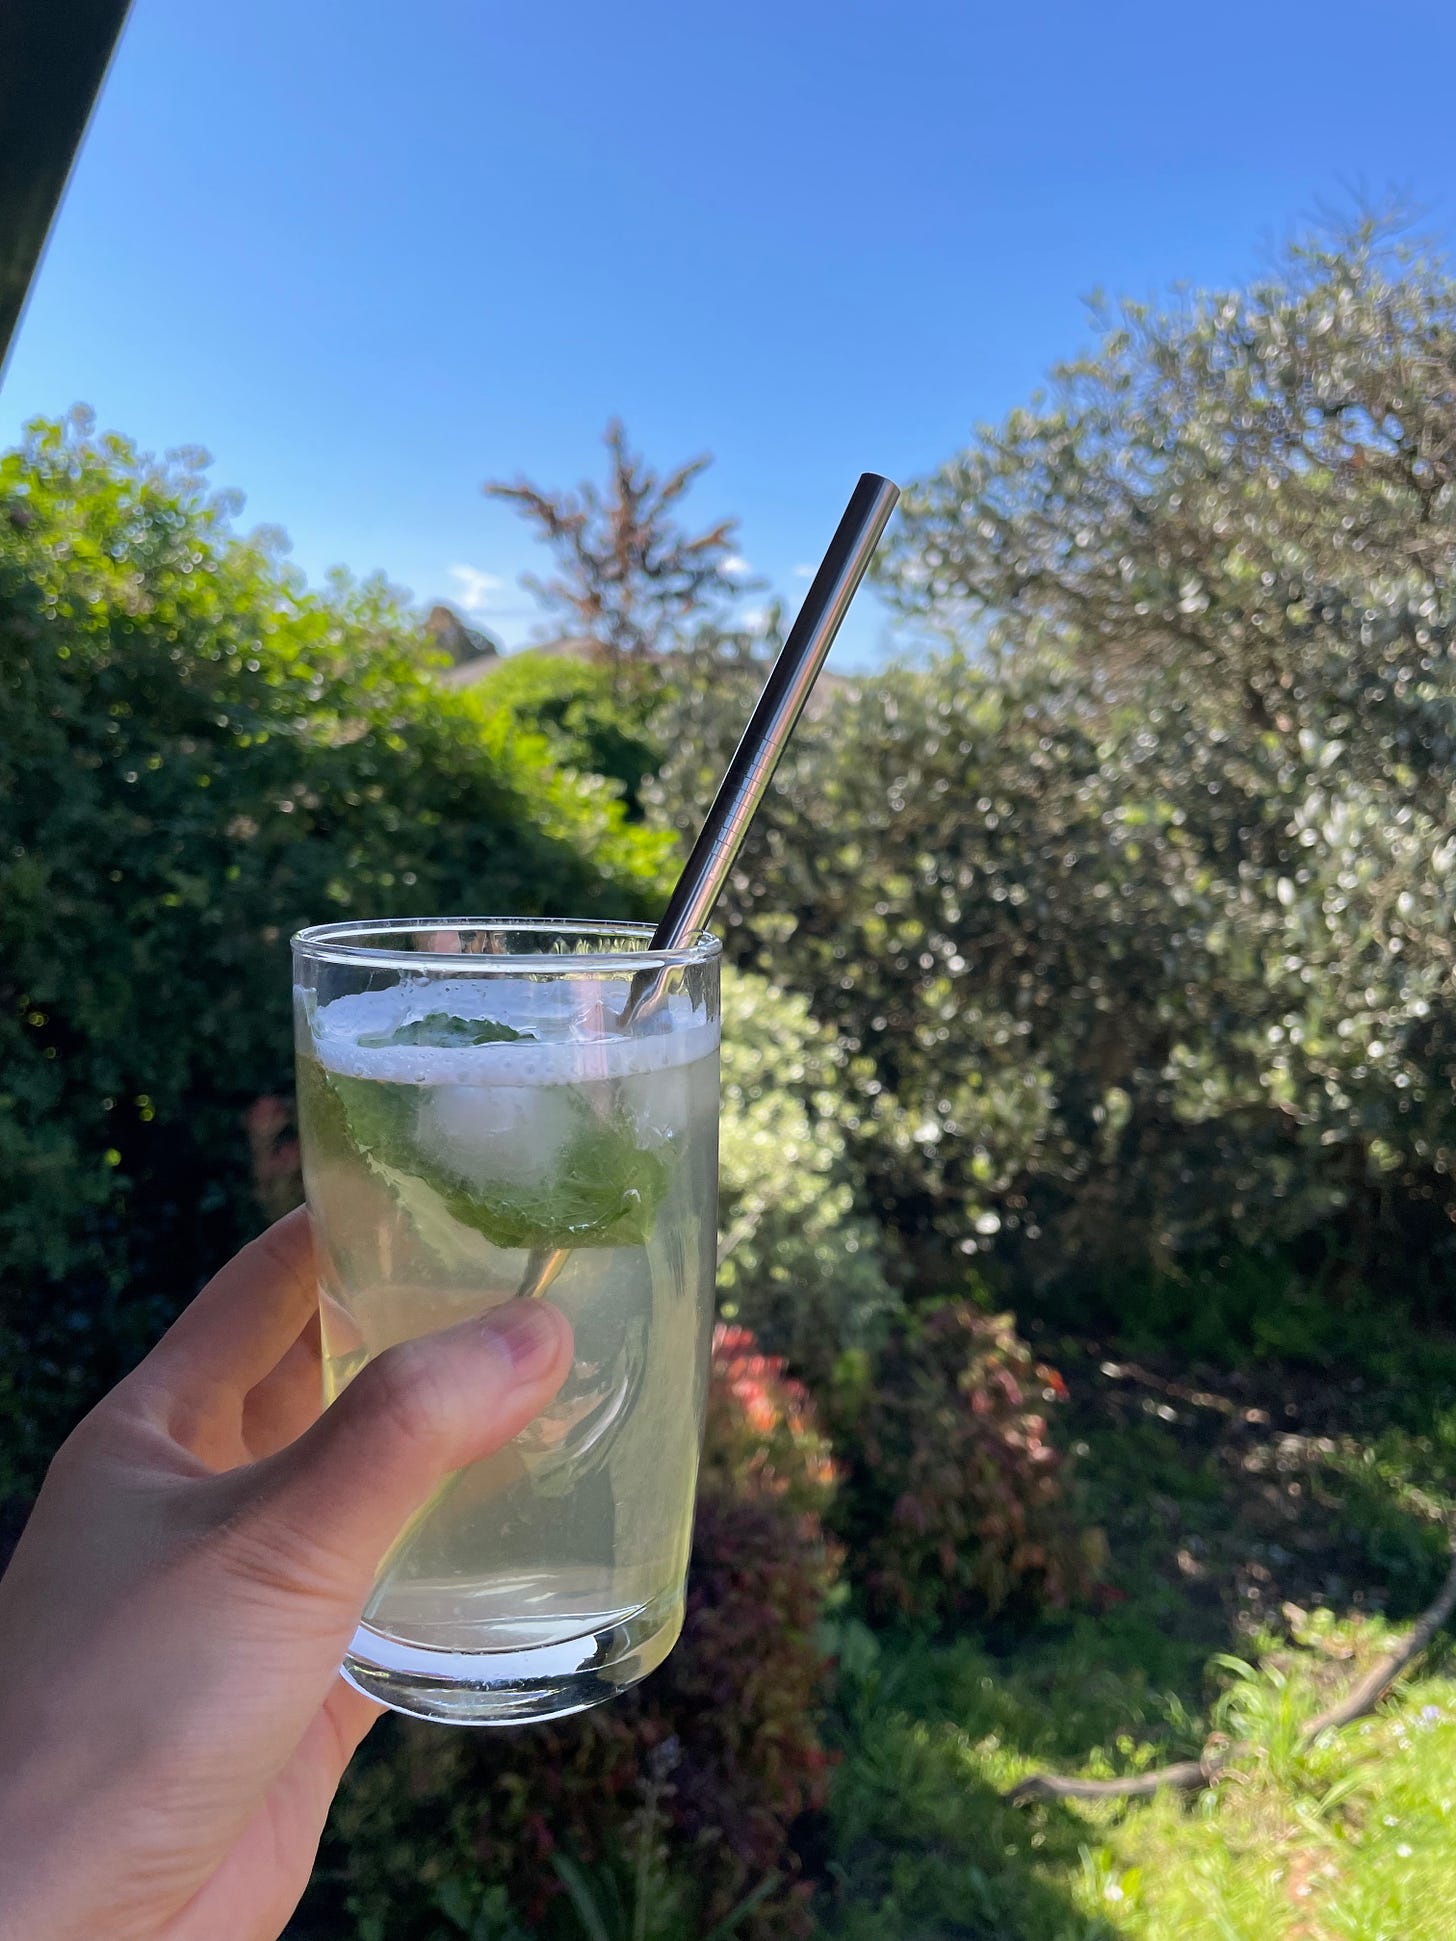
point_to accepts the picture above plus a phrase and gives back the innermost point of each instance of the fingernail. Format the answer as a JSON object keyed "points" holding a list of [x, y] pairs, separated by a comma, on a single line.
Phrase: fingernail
{"points": [[529, 1332]]}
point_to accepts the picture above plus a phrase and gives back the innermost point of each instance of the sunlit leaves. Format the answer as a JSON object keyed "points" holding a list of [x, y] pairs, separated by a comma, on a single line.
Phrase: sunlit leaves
{"points": [[199, 755]]}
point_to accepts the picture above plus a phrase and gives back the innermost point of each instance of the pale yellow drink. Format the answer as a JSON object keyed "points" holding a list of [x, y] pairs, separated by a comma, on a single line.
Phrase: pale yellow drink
{"points": [[551, 1574]]}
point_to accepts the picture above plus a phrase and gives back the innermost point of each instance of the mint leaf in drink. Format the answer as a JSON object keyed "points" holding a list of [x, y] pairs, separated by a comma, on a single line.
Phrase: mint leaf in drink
{"points": [[604, 1192], [603, 1189], [379, 1117], [445, 1032]]}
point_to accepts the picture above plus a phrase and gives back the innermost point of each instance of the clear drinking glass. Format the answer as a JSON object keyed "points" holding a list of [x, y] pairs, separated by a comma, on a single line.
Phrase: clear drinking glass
{"points": [[472, 1100]]}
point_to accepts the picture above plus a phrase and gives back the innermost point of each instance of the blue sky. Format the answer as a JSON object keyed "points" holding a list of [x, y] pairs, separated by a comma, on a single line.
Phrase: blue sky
{"points": [[372, 257]]}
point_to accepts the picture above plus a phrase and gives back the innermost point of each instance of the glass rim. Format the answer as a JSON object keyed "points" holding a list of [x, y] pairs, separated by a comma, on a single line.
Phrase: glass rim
{"points": [[336, 943]]}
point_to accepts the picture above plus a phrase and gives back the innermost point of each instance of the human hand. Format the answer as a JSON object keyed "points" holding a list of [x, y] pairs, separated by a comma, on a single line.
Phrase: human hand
{"points": [[172, 1720]]}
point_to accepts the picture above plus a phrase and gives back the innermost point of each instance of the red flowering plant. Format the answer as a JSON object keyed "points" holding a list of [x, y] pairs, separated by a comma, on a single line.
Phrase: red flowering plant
{"points": [[762, 1432], [956, 1500]]}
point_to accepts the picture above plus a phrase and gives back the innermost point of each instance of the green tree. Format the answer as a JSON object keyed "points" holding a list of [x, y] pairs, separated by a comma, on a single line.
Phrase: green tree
{"points": [[1138, 899], [1247, 500], [1234, 526]]}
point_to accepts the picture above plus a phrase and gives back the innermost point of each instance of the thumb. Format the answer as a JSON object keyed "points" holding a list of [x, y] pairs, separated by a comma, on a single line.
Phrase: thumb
{"points": [[322, 1513]]}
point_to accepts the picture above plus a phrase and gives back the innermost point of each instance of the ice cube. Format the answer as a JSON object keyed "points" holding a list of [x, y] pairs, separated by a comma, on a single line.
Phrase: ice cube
{"points": [[509, 1133]]}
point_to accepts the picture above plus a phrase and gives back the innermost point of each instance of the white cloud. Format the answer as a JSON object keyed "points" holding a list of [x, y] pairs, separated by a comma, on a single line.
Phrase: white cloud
{"points": [[736, 567], [803, 572], [754, 620], [474, 588]]}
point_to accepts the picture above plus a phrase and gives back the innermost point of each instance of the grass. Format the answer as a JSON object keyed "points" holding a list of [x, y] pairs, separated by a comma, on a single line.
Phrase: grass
{"points": [[1270, 1532]]}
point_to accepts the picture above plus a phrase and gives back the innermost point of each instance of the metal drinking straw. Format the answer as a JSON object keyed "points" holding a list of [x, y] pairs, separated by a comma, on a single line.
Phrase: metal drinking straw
{"points": [[787, 688]]}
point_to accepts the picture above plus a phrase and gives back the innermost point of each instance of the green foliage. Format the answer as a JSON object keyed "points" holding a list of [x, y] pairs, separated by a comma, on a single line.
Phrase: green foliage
{"points": [[669, 1811], [1231, 1309], [1138, 899], [596, 717], [1245, 501], [955, 1501], [802, 1261], [1124, 989], [199, 756]]}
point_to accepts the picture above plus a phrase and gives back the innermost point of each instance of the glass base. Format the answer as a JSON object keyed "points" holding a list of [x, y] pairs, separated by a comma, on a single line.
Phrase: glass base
{"points": [[514, 1687]]}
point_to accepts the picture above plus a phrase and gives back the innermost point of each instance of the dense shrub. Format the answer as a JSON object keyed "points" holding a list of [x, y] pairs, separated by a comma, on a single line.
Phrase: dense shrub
{"points": [[1232, 530], [1139, 904], [994, 906], [200, 755], [955, 1501], [596, 716], [802, 1261], [693, 1783]]}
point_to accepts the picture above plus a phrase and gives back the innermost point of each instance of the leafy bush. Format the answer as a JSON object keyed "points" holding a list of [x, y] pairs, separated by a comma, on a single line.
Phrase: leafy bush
{"points": [[596, 717], [955, 1500], [199, 756], [674, 1805], [802, 1262], [1139, 903], [959, 874], [1224, 548], [1243, 501]]}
